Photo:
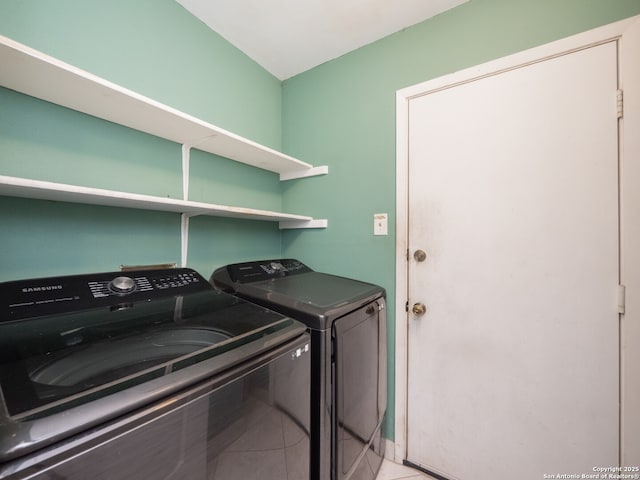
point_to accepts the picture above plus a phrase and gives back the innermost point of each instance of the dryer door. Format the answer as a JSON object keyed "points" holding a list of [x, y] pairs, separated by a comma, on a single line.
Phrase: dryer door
{"points": [[360, 393]]}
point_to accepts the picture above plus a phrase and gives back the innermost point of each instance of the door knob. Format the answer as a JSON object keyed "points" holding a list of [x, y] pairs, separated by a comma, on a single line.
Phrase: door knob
{"points": [[420, 255], [419, 309]]}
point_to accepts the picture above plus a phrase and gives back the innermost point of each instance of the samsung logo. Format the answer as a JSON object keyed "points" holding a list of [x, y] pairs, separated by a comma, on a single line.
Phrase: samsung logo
{"points": [[44, 288]]}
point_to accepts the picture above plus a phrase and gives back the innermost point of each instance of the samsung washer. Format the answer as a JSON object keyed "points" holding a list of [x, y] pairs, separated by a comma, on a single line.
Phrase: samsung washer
{"points": [[149, 375]]}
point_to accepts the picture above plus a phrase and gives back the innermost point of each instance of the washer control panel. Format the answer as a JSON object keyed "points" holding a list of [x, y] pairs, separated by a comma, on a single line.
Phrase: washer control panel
{"points": [[47, 296], [163, 280]]}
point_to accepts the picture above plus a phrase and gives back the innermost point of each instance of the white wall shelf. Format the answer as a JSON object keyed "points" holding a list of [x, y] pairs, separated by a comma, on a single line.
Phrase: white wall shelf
{"points": [[34, 73], [60, 192], [27, 188]]}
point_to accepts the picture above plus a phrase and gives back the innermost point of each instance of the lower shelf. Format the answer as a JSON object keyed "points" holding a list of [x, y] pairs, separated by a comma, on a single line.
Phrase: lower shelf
{"points": [[37, 189]]}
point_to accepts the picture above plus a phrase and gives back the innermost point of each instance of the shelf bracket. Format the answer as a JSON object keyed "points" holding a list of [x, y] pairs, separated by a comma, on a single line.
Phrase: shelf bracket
{"points": [[186, 157], [310, 172], [186, 154], [291, 224], [184, 237]]}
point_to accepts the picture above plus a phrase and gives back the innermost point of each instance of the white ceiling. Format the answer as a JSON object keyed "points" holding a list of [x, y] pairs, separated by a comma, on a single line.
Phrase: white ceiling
{"points": [[287, 37]]}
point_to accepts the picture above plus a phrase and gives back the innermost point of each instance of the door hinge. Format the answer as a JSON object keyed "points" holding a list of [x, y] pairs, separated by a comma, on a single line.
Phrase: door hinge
{"points": [[621, 298], [620, 103]]}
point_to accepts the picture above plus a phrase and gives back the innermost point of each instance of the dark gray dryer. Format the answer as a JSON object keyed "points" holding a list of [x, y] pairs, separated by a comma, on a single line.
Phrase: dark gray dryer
{"points": [[347, 322]]}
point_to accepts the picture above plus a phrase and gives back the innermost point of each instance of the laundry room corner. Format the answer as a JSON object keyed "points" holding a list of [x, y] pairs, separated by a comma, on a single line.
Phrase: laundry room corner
{"points": [[226, 256], [159, 50]]}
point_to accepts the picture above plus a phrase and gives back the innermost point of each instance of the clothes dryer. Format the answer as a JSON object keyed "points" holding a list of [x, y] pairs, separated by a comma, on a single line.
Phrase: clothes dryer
{"points": [[346, 319]]}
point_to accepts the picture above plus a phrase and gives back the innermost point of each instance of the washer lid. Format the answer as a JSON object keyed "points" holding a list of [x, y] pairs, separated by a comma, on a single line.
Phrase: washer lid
{"points": [[62, 373], [48, 364]]}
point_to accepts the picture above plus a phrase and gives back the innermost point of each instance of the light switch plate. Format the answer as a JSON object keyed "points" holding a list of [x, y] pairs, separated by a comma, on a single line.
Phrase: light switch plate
{"points": [[380, 224]]}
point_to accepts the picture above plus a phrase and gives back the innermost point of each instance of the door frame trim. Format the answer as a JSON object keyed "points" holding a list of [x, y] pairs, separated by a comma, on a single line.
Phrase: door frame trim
{"points": [[627, 33]]}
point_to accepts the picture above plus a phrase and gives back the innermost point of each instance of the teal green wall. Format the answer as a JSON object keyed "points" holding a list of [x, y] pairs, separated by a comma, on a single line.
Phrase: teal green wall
{"points": [[342, 114], [158, 49]]}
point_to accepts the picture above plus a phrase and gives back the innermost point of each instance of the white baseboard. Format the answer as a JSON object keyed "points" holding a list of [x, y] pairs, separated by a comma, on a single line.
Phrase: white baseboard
{"points": [[390, 451]]}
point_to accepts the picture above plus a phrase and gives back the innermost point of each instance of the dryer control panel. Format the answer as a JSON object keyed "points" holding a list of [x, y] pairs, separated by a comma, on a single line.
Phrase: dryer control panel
{"points": [[261, 270]]}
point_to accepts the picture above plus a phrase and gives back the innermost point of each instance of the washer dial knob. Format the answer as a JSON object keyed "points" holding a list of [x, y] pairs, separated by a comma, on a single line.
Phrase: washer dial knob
{"points": [[122, 285]]}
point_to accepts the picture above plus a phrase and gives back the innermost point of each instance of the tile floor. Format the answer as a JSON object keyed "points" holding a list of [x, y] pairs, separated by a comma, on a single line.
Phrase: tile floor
{"points": [[393, 471]]}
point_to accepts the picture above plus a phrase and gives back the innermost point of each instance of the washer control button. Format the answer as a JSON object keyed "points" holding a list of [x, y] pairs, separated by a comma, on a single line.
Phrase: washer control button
{"points": [[122, 285]]}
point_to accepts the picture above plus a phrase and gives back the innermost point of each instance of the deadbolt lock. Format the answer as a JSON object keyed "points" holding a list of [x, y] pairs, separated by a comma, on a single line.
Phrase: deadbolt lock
{"points": [[419, 309], [420, 255]]}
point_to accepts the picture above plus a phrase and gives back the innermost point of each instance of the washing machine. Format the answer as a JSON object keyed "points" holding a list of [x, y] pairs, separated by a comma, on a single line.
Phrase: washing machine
{"points": [[150, 374], [347, 322]]}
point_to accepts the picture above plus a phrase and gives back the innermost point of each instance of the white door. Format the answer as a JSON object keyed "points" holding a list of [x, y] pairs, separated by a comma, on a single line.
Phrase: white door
{"points": [[513, 195]]}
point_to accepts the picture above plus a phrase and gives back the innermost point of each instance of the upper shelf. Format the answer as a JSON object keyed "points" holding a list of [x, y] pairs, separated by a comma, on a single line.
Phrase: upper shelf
{"points": [[34, 73]]}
